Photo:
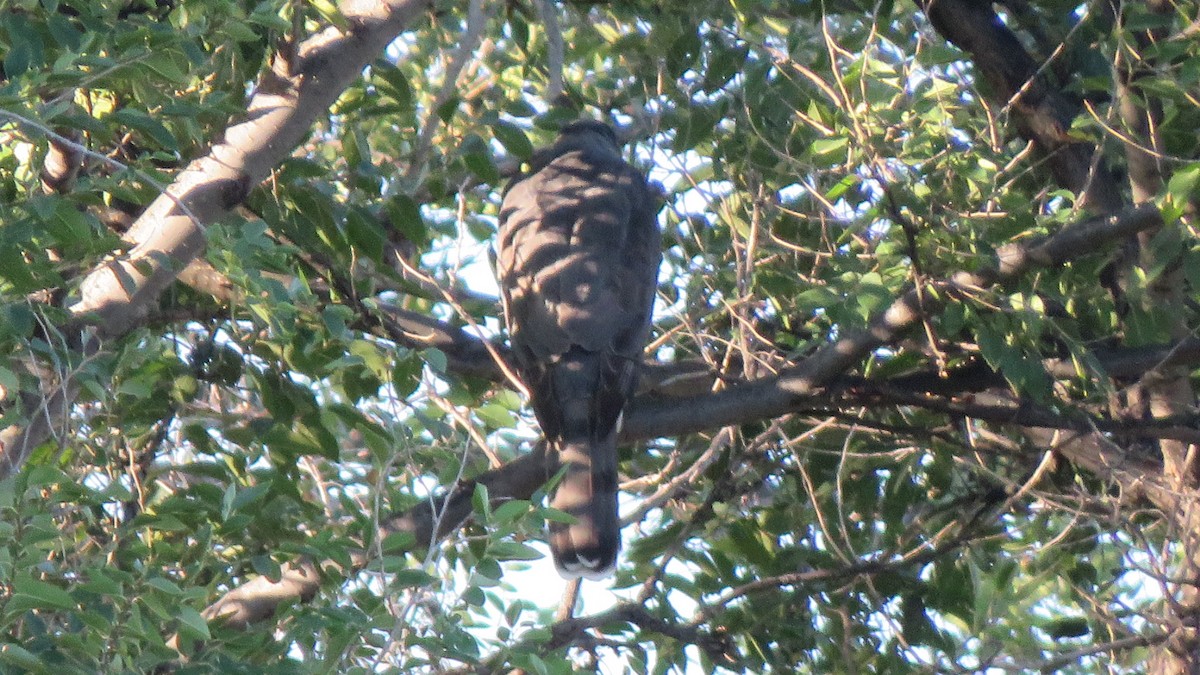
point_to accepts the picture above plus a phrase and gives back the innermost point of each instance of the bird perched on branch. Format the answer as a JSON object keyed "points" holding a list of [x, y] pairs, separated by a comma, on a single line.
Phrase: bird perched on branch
{"points": [[577, 257]]}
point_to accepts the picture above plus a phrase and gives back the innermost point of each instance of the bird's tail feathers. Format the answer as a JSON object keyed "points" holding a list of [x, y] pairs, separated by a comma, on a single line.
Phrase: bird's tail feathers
{"points": [[588, 492]]}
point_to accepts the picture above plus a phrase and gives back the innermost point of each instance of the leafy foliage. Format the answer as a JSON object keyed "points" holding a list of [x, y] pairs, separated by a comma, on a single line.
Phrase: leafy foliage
{"points": [[930, 508]]}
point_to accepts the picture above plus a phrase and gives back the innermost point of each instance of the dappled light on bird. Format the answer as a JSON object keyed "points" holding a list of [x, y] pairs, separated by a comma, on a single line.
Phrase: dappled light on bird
{"points": [[577, 256]]}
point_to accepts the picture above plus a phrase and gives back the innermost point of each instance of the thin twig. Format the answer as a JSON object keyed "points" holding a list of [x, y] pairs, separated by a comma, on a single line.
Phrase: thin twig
{"points": [[106, 160]]}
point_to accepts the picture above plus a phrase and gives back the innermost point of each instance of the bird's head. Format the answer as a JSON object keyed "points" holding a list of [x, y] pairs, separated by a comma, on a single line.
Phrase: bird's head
{"points": [[588, 131], [588, 136]]}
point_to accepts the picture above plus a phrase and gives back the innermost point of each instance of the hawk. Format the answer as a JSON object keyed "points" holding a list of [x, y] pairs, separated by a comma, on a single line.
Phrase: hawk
{"points": [[577, 258]]}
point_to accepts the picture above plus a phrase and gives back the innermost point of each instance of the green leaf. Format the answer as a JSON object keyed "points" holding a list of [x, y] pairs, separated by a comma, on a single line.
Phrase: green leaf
{"points": [[842, 187], [330, 12], [98, 581], [481, 165], [725, 63], [1061, 629], [16, 270], [829, 149], [165, 585], [446, 110], [393, 84], [19, 657], [474, 596], [18, 59], [1183, 184], [17, 321], [480, 502], [239, 31], [411, 578], [511, 510], [398, 542], [148, 125], [817, 298], [164, 64], [267, 567], [512, 550], [436, 360], [406, 375], [496, 416], [365, 235], [513, 139], [192, 624], [404, 214], [249, 495], [554, 118], [64, 33], [45, 595]]}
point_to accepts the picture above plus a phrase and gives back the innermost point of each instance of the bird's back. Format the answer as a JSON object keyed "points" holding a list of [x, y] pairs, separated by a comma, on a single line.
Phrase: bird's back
{"points": [[578, 254]]}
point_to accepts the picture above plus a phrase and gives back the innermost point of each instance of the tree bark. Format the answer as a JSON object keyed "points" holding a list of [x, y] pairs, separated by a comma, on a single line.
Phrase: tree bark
{"points": [[169, 235], [1042, 114]]}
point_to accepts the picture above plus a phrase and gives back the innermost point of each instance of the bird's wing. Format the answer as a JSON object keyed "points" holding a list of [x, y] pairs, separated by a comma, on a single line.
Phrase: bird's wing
{"points": [[578, 258]]}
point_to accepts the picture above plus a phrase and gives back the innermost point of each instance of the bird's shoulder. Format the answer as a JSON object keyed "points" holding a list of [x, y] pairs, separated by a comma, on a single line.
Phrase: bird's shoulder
{"points": [[575, 164]]}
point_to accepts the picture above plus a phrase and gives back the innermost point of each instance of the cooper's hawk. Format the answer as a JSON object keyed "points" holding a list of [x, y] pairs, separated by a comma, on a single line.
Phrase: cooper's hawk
{"points": [[577, 256]]}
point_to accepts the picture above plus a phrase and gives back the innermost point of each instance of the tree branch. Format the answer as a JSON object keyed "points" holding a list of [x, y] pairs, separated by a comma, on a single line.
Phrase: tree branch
{"points": [[170, 233], [774, 396], [1042, 113], [257, 599], [1001, 408], [794, 388], [717, 645]]}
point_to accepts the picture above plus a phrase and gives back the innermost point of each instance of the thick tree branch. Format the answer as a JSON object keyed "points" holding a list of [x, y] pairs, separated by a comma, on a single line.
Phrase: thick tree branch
{"points": [[428, 523], [836, 576], [169, 235], [771, 397], [1005, 409], [1041, 112], [467, 355], [1169, 393], [1137, 478], [795, 388], [716, 644]]}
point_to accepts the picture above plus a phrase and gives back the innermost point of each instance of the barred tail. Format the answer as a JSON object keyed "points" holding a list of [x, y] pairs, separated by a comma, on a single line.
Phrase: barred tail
{"points": [[588, 491]]}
